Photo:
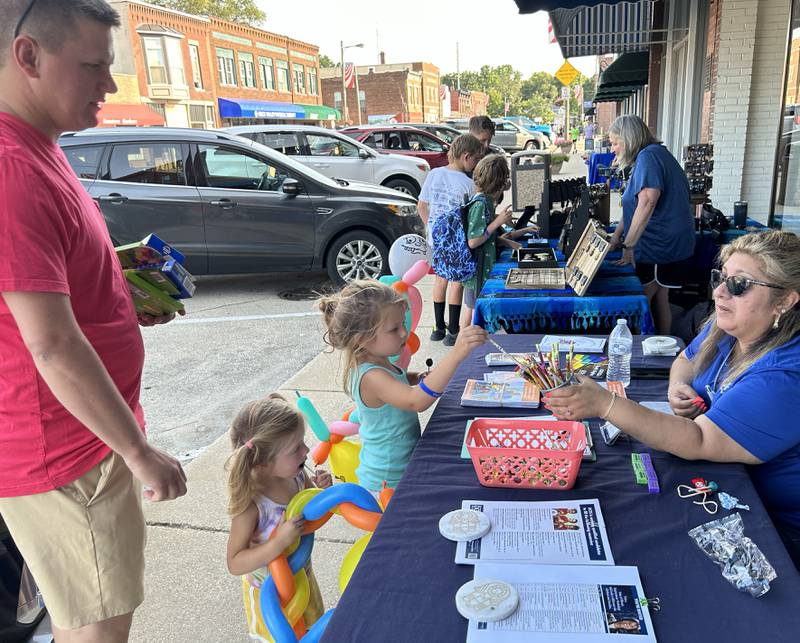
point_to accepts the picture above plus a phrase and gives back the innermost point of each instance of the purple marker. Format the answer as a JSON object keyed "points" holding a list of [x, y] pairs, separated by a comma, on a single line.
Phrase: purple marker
{"points": [[650, 472]]}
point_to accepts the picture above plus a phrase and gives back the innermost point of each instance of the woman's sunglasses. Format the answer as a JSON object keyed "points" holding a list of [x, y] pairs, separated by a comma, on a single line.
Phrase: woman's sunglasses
{"points": [[736, 284]]}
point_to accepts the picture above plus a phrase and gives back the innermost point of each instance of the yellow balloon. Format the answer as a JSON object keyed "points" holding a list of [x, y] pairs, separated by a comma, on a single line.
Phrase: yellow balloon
{"points": [[299, 602], [298, 503], [350, 561], [344, 459]]}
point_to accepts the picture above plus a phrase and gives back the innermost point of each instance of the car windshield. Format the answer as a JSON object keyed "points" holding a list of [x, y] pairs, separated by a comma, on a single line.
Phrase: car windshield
{"points": [[289, 162]]}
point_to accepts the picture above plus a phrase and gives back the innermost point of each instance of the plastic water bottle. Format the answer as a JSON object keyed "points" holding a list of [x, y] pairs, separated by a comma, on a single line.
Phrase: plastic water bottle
{"points": [[620, 348]]}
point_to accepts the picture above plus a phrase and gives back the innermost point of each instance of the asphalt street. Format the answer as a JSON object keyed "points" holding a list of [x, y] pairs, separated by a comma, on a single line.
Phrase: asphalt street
{"points": [[239, 340]]}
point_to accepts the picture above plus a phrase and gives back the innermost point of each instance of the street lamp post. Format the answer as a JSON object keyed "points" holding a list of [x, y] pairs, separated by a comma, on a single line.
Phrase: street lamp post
{"points": [[342, 47]]}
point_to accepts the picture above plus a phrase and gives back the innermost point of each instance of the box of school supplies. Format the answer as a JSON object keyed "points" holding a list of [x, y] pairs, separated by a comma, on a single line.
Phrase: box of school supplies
{"points": [[518, 394], [148, 298], [149, 250], [171, 277], [526, 454]]}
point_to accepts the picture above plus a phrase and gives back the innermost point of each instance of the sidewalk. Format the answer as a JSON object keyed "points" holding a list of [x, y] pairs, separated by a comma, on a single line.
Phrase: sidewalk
{"points": [[189, 594]]}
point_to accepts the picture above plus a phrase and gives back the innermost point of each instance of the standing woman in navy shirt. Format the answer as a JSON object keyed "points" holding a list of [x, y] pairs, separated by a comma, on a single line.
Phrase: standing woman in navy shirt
{"points": [[657, 228], [745, 365]]}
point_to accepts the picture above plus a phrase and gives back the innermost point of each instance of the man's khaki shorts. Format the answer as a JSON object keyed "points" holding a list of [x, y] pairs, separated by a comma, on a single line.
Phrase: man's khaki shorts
{"points": [[84, 543]]}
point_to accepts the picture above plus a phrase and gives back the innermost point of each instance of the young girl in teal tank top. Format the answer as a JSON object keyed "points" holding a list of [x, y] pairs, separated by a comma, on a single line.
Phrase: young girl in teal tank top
{"points": [[366, 321]]}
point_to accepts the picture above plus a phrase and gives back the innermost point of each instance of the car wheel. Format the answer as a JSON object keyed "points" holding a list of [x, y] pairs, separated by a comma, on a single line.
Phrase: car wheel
{"points": [[401, 185], [357, 255], [531, 145]]}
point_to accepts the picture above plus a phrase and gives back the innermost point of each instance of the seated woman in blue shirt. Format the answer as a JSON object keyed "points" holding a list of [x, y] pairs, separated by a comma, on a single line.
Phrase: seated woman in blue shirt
{"points": [[657, 228], [745, 365]]}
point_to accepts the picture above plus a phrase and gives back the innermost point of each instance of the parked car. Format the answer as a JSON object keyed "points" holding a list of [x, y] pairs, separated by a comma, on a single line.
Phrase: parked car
{"points": [[402, 140], [338, 156], [532, 126], [513, 138], [232, 205], [447, 133]]}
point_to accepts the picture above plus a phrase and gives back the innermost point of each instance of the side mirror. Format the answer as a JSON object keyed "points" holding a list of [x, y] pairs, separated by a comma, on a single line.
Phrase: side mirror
{"points": [[446, 147], [363, 154], [291, 187]]}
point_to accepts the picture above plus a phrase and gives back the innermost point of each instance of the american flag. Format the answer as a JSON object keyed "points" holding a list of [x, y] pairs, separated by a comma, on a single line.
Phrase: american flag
{"points": [[442, 92], [551, 36], [349, 76]]}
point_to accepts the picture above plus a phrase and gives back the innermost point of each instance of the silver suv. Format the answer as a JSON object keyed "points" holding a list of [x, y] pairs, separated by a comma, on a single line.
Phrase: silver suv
{"points": [[338, 156]]}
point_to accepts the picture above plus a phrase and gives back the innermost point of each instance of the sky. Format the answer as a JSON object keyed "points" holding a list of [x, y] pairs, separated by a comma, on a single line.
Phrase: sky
{"points": [[491, 32]]}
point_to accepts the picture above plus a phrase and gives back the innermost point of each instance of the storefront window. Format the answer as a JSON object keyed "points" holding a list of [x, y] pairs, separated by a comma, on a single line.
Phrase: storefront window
{"points": [[786, 206]]}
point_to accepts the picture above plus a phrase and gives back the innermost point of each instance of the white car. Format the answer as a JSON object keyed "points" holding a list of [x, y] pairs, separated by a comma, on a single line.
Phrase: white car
{"points": [[338, 156]]}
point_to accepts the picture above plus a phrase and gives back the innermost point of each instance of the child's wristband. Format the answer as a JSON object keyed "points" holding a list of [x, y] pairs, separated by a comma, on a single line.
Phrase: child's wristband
{"points": [[427, 390]]}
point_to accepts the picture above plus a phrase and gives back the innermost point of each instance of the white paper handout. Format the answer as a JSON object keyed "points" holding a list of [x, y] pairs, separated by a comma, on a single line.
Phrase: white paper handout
{"points": [[559, 532], [661, 407], [567, 604], [582, 343]]}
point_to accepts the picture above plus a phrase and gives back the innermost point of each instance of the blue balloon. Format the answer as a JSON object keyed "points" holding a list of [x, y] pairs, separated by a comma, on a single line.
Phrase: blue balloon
{"points": [[324, 502], [389, 279], [273, 615]]}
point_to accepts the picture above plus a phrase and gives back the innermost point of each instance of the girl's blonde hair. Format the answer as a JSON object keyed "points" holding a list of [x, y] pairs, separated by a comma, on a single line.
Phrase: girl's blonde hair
{"points": [[353, 317], [465, 144], [258, 433], [491, 175], [777, 254]]}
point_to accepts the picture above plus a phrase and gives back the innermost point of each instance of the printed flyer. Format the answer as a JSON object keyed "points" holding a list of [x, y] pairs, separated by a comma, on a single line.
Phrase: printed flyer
{"points": [[561, 532], [567, 603]]}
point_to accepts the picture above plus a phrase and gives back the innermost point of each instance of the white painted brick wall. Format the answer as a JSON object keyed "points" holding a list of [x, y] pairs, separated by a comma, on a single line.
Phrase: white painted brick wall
{"points": [[752, 53]]}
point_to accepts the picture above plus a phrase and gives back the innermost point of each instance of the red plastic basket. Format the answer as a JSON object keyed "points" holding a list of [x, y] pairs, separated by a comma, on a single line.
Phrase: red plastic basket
{"points": [[526, 454]]}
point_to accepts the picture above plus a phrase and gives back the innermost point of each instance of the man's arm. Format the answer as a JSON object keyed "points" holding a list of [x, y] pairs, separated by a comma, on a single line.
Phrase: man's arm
{"points": [[77, 377]]}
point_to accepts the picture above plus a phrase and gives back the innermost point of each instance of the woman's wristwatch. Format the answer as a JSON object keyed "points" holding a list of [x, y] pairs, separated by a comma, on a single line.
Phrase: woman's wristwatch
{"points": [[625, 246]]}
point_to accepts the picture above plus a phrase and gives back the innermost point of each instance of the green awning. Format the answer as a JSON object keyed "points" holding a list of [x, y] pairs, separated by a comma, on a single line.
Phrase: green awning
{"points": [[614, 93], [631, 69], [320, 112]]}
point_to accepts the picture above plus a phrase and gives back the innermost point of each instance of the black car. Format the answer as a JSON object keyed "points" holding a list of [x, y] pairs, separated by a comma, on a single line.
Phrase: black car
{"points": [[234, 206]]}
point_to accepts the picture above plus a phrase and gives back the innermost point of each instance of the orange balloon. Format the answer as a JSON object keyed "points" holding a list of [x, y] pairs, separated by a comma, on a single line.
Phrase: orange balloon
{"points": [[320, 452], [313, 525], [346, 416], [336, 438], [282, 575], [385, 496], [412, 341], [300, 628], [358, 517], [400, 286]]}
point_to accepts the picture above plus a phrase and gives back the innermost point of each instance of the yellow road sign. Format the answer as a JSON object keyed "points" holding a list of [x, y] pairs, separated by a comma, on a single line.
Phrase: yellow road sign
{"points": [[566, 73]]}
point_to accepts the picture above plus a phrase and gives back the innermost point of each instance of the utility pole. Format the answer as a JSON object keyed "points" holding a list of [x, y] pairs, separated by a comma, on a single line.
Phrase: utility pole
{"points": [[458, 70], [344, 88]]}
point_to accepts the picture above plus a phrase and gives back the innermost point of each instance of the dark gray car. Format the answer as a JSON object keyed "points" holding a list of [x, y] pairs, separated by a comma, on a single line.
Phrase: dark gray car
{"points": [[234, 206]]}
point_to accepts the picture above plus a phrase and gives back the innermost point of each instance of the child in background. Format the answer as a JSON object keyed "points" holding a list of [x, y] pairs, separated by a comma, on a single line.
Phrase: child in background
{"points": [[491, 178], [447, 188], [366, 321], [482, 128], [265, 473]]}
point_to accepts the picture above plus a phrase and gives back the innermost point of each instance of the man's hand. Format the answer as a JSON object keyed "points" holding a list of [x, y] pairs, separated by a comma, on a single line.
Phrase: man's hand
{"points": [[160, 472], [150, 320]]}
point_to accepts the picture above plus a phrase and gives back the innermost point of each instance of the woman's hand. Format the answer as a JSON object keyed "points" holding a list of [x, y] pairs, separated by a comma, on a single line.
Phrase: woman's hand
{"points": [[627, 258], [579, 401], [288, 531], [680, 397]]}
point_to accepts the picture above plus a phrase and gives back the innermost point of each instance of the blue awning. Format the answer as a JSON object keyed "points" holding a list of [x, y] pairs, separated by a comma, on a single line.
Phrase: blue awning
{"points": [[244, 108], [603, 28]]}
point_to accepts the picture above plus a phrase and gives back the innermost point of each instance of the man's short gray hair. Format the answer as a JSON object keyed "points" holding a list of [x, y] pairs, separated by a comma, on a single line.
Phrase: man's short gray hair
{"points": [[51, 22], [635, 136]]}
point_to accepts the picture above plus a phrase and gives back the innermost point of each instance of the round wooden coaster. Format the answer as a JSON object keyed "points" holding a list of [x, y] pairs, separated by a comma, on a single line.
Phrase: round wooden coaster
{"points": [[464, 525], [487, 600]]}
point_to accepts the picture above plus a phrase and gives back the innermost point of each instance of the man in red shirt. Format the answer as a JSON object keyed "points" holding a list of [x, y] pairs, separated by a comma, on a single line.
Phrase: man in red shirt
{"points": [[72, 446]]}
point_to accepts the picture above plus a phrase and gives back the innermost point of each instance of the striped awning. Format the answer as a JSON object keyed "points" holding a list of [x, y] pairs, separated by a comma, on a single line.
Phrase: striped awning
{"points": [[604, 29]]}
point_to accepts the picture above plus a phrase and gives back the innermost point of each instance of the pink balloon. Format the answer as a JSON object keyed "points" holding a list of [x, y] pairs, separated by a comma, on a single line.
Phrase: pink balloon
{"points": [[405, 358], [416, 272], [341, 427], [415, 303]]}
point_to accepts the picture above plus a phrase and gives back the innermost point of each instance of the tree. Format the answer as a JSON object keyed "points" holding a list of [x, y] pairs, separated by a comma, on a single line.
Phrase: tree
{"points": [[246, 11], [324, 61]]}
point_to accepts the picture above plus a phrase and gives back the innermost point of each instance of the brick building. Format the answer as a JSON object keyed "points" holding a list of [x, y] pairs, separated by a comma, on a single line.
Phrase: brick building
{"points": [[720, 71], [205, 72], [403, 92], [466, 103]]}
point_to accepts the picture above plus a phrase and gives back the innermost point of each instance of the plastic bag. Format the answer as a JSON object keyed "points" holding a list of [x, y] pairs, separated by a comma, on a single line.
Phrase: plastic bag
{"points": [[742, 563]]}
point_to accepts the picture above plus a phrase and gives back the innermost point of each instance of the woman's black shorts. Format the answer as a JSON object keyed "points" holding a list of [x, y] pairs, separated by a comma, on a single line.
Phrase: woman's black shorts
{"points": [[668, 275]]}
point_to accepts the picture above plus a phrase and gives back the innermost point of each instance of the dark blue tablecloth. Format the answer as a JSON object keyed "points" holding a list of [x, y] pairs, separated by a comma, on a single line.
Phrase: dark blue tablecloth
{"points": [[404, 587], [615, 292], [595, 162]]}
